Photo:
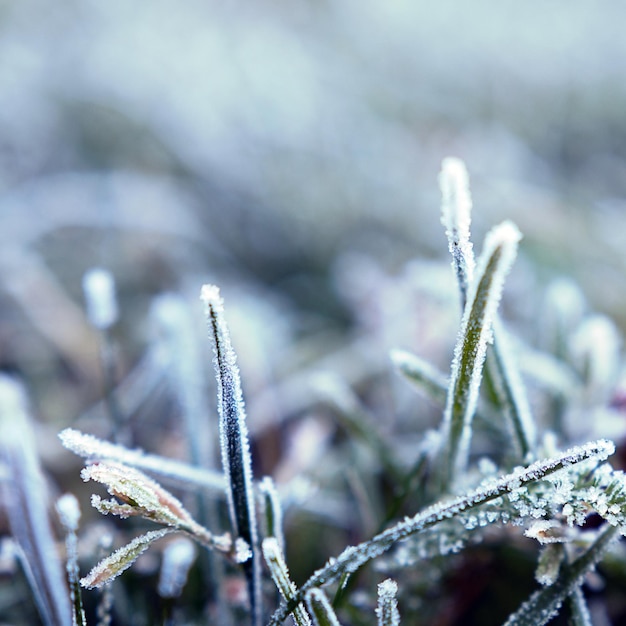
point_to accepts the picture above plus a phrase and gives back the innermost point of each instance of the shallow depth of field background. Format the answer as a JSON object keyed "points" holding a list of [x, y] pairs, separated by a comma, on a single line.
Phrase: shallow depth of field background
{"points": [[289, 152]]}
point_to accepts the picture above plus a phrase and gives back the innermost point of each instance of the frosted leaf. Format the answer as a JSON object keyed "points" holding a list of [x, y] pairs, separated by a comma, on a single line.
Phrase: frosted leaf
{"points": [[178, 557], [456, 207], [92, 448], [235, 448], [121, 559], [498, 254], [387, 609], [141, 496], [100, 298], [320, 608], [280, 575]]}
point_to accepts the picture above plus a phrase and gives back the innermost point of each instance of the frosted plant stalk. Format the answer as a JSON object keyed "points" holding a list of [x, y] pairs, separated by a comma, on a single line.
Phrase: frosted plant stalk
{"points": [[354, 557], [25, 500], [387, 609], [235, 448], [273, 511], [498, 254]]}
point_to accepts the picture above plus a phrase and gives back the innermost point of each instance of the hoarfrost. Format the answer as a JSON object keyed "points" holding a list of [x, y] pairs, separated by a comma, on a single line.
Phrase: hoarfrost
{"points": [[100, 298]]}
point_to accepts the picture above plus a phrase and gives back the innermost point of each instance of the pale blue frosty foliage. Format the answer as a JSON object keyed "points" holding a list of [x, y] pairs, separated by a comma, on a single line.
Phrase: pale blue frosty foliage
{"points": [[25, 499], [320, 608]]}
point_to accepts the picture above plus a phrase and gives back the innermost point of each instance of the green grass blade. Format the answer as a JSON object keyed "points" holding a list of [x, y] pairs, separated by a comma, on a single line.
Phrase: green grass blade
{"points": [[321, 608], [496, 259]]}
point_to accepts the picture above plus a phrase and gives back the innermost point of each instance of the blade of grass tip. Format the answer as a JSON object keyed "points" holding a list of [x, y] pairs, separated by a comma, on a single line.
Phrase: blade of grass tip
{"points": [[235, 448], [456, 208], [26, 506], [387, 609], [69, 514], [503, 370], [354, 557], [498, 254], [321, 608], [543, 605], [280, 575]]}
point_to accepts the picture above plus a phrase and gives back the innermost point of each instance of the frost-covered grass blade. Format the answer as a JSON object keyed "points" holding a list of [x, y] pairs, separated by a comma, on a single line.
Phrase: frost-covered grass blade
{"points": [[234, 443], [320, 608]]}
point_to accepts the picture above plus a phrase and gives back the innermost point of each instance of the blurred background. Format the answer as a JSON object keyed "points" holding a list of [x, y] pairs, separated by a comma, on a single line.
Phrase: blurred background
{"points": [[289, 152]]}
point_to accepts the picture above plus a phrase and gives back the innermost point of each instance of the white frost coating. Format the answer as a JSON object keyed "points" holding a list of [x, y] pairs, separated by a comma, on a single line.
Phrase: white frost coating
{"points": [[320, 608], [178, 557], [92, 448], [100, 298], [242, 550], [499, 251], [387, 609], [280, 575], [121, 559], [549, 564], [456, 207]]}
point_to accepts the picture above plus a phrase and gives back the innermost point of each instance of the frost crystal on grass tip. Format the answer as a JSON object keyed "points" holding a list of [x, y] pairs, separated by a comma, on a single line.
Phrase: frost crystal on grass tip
{"points": [[387, 609], [99, 290]]}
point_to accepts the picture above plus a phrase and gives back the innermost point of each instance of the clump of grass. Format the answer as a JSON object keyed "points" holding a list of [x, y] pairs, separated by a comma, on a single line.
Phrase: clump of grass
{"points": [[544, 484]]}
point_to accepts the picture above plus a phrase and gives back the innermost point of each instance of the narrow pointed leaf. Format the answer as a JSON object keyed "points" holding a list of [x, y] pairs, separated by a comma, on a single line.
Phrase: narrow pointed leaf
{"points": [[235, 447], [387, 610]]}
